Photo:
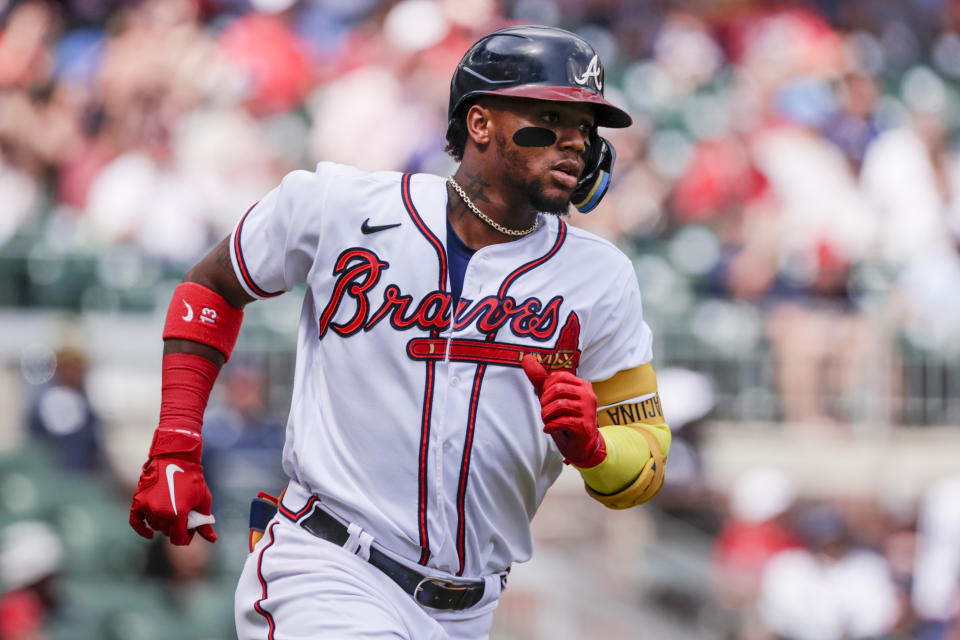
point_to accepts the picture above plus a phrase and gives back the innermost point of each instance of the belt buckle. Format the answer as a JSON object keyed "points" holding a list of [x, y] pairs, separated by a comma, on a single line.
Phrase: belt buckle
{"points": [[440, 582]]}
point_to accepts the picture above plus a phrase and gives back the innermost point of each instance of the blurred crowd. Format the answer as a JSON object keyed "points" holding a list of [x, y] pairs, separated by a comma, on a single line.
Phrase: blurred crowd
{"points": [[779, 562], [791, 185], [71, 569], [785, 566]]}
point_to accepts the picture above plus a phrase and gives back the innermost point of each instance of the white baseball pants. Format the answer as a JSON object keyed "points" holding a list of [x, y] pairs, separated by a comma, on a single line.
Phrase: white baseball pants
{"points": [[296, 586]]}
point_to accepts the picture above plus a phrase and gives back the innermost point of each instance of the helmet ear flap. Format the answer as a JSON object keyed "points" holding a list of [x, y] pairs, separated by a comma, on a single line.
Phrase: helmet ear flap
{"points": [[595, 180]]}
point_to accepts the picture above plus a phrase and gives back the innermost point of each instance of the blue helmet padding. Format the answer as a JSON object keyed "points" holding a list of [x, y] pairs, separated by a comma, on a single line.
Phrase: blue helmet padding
{"points": [[595, 179], [597, 195]]}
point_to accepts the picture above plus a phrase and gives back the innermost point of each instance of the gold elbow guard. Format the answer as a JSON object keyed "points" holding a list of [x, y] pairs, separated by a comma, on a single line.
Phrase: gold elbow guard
{"points": [[647, 484]]}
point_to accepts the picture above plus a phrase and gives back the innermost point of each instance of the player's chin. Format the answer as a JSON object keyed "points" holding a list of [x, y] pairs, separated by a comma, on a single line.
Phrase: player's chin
{"points": [[551, 200], [554, 195]]}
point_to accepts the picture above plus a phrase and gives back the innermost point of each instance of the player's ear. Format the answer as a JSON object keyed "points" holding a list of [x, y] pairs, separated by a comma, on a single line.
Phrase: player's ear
{"points": [[478, 120]]}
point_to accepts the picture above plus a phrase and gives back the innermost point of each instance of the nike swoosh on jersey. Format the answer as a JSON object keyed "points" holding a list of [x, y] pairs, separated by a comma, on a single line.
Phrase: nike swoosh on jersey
{"points": [[171, 470], [189, 315], [366, 228]]}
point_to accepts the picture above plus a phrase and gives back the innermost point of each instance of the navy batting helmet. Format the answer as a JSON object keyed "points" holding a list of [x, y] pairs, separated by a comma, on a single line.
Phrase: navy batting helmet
{"points": [[539, 62], [543, 63]]}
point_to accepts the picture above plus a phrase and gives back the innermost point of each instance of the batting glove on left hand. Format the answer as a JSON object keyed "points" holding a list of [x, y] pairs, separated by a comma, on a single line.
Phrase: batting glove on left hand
{"points": [[568, 407], [172, 495]]}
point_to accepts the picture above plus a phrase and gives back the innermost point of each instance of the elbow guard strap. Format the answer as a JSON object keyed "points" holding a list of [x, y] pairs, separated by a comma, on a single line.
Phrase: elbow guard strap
{"points": [[202, 315], [647, 484]]}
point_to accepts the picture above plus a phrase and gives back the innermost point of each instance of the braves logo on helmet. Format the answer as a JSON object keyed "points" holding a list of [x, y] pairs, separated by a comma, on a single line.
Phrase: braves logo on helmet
{"points": [[593, 72]]}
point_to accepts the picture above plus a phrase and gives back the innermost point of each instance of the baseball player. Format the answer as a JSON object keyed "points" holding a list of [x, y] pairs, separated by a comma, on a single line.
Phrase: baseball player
{"points": [[458, 345]]}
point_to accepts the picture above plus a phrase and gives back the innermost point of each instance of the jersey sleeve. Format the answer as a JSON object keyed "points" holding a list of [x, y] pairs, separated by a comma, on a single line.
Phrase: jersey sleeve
{"points": [[617, 360], [274, 244], [621, 339]]}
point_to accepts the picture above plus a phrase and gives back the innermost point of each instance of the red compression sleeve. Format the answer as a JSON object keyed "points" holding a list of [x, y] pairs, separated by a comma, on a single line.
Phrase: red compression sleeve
{"points": [[184, 390], [202, 315]]}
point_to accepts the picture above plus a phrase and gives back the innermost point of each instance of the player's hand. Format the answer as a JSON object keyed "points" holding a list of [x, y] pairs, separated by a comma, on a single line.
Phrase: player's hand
{"points": [[172, 496], [568, 407]]}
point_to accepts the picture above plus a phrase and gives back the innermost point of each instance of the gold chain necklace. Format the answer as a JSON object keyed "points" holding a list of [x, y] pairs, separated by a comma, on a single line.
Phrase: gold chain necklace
{"points": [[490, 221]]}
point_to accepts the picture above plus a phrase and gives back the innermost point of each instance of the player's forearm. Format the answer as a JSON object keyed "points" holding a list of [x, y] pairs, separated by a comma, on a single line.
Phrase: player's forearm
{"points": [[201, 329], [627, 454], [202, 325]]}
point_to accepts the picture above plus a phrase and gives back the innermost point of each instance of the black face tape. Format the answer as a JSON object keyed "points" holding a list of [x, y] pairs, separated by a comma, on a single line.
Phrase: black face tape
{"points": [[534, 137]]}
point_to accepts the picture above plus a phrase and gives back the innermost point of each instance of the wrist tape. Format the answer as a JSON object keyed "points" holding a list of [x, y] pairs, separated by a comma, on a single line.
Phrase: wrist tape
{"points": [[175, 441], [202, 315]]}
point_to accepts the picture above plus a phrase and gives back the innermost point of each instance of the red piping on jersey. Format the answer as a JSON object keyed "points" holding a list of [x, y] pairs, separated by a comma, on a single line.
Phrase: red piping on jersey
{"points": [[299, 514], [258, 606], [519, 271], [465, 467], [423, 493], [417, 220], [475, 396], [244, 272]]}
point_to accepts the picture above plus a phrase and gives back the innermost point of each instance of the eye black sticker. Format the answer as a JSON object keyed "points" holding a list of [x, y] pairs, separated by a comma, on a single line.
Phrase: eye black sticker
{"points": [[534, 137]]}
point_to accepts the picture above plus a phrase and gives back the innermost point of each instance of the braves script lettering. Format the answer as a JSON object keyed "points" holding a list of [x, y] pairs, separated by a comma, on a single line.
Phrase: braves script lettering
{"points": [[359, 270]]}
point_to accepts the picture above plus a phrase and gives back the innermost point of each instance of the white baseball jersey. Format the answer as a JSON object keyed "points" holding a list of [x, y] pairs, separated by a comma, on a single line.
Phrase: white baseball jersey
{"points": [[409, 417]]}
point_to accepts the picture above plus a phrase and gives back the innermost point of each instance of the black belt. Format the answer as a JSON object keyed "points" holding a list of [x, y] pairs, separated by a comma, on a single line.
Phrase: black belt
{"points": [[436, 593]]}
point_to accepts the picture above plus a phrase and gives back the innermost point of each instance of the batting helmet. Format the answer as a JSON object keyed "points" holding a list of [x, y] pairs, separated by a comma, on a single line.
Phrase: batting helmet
{"points": [[543, 63]]}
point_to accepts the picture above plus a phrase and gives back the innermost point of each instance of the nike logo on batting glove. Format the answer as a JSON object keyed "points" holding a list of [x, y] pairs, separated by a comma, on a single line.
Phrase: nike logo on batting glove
{"points": [[156, 507], [171, 470], [194, 518]]}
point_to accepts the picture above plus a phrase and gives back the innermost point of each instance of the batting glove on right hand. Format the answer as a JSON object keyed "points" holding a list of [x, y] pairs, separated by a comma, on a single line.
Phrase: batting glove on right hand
{"points": [[568, 407], [172, 495]]}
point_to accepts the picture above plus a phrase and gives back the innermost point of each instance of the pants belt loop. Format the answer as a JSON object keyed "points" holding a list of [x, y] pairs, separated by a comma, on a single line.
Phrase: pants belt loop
{"points": [[365, 541], [358, 541], [353, 538]]}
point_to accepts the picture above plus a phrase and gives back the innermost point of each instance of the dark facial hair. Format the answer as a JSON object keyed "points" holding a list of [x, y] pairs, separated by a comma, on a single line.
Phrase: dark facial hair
{"points": [[532, 188]]}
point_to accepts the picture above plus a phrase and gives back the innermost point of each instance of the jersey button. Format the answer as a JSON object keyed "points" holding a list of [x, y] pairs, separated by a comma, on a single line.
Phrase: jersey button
{"points": [[454, 381]]}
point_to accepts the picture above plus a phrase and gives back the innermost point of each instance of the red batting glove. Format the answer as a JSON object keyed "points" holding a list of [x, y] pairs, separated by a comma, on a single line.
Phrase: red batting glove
{"points": [[568, 407], [171, 487]]}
